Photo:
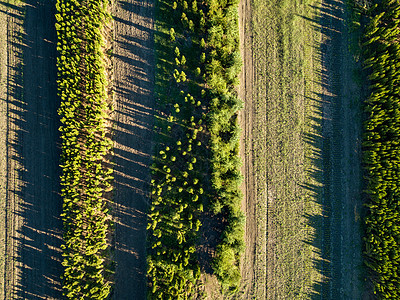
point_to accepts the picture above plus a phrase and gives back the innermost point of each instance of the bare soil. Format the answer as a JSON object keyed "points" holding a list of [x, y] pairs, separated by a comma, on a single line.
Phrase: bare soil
{"points": [[133, 61], [3, 143], [255, 236], [32, 225]]}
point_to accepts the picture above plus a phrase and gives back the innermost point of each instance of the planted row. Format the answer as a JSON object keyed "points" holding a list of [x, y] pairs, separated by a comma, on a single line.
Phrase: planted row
{"points": [[179, 168], [381, 148], [223, 65], [82, 86], [197, 70]]}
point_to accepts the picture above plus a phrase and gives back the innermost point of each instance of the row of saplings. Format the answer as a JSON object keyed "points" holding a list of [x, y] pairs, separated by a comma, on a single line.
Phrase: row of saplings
{"points": [[85, 178], [178, 169], [223, 65], [173, 221], [177, 195], [381, 144]]}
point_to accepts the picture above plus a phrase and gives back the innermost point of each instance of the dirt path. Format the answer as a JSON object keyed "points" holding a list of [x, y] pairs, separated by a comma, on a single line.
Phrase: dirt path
{"points": [[253, 266], [342, 98], [3, 142], [134, 101], [33, 227]]}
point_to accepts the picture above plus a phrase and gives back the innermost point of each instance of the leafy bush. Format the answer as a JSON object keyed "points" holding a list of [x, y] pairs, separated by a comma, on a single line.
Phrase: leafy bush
{"points": [[222, 73]]}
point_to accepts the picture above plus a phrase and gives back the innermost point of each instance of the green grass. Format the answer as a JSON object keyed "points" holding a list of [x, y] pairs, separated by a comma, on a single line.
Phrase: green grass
{"points": [[287, 110]]}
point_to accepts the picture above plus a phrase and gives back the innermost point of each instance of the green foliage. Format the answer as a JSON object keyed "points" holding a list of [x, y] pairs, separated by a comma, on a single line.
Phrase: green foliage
{"points": [[226, 267], [173, 218], [172, 34], [83, 111], [222, 73], [186, 83], [381, 144]]}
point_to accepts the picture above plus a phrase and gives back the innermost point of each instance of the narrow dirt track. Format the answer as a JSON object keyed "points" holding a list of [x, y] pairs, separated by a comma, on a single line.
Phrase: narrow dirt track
{"points": [[255, 236], [3, 142], [342, 98], [33, 226], [134, 101]]}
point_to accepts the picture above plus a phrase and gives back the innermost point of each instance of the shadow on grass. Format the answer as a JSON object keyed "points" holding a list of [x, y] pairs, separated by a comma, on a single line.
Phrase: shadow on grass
{"points": [[327, 145]]}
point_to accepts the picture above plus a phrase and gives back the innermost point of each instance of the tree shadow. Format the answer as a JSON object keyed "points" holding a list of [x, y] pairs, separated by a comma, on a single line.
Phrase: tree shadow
{"points": [[319, 141], [133, 121], [33, 152], [327, 143]]}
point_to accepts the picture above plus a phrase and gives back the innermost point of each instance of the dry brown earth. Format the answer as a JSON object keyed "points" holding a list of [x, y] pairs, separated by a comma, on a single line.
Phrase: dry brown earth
{"points": [[255, 236], [3, 143], [32, 225], [134, 102]]}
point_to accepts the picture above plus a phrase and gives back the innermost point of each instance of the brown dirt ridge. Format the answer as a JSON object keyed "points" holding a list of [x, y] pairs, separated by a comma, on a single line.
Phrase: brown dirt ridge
{"points": [[255, 236], [133, 61], [32, 228]]}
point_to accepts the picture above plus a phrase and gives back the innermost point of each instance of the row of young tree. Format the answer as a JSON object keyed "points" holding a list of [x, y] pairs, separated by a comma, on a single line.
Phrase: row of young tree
{"points": [[196, 162], [179, 166], [82, 86], [223, 65], [381, 148]]}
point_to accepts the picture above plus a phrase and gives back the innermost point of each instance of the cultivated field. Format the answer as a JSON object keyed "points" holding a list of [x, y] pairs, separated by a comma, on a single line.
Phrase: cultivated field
{"points": [[287, 155], [31, 225], [133, 116], [300, 148]]}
